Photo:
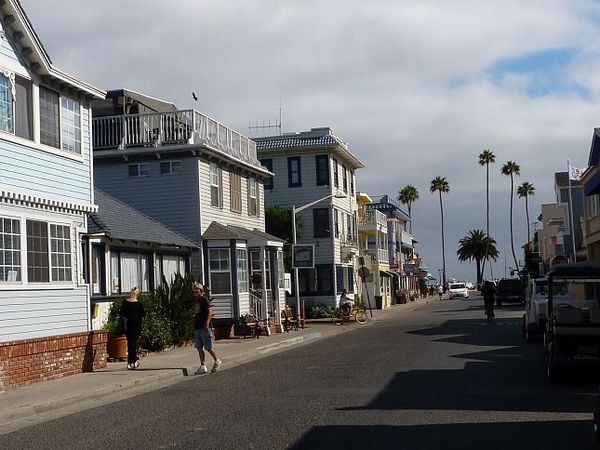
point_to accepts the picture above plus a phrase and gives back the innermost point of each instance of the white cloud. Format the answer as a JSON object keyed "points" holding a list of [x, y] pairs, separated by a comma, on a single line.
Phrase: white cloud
{"points": [[404, 82]]}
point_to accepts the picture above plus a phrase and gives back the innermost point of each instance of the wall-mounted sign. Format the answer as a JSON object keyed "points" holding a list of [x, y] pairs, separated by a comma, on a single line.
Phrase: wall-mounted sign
{"points": [[303, 256]]}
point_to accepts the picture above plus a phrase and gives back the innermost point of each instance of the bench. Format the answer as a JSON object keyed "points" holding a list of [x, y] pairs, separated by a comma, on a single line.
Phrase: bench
{"points": [[252, 325]]}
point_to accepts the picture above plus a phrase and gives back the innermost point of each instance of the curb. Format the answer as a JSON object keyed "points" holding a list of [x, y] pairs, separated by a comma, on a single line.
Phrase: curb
{"points": [[289, 342]]}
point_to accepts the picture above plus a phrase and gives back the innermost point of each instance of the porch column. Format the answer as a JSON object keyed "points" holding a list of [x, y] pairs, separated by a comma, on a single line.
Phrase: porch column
{"points": [[263, 268]]}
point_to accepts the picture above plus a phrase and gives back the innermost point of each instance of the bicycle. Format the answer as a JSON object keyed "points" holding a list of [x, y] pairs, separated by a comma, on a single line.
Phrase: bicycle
{"points": [[340, 316]]}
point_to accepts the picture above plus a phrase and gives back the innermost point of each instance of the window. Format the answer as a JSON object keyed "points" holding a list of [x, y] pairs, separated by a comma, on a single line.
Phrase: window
{"points": [[268, 163], [352, 182], [218, 266], [321, 226], [345, 179], [322, 165], [317, 281], [242, 269], [60, 252], [171, 265], [294, 172], [280, 269], [70, 125], [60, 121], [256, 269], [139, 170], [38, 265], [252, 197], [129, 270], [349, 233], [215, 186], [23, 108], [7, 102], [170, 167], [49, 118], [336, 224], [336, 175], [10, 250], [344, 278], [235, 192]]}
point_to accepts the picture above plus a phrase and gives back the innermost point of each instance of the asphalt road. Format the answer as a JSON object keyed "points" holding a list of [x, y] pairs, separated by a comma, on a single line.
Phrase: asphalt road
{"points": [[438, 377]]}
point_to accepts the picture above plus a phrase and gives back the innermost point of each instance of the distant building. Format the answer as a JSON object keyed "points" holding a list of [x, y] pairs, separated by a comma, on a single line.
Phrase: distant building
{"points": [[310, 166]]}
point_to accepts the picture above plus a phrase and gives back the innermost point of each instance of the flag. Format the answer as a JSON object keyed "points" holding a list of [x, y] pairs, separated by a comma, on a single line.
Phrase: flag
{"points": [[575, 172]]}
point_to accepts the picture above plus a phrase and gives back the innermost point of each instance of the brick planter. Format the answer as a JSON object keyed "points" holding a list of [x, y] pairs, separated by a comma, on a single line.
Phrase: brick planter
{"points": [[29, 361]]}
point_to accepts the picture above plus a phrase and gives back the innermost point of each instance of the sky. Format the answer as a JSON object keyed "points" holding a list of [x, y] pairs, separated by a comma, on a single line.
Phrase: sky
{"points": [[417, 88]]}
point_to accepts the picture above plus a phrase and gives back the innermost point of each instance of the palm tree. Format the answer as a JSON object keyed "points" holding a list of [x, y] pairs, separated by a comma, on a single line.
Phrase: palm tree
{"points": [[526, 190], [478, 246], [407, 195], [440, 185], [511, 169], [486, 158]]}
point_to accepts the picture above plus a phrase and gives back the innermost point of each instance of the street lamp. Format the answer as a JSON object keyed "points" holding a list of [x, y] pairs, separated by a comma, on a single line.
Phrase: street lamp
{"points": [[294, 211]]}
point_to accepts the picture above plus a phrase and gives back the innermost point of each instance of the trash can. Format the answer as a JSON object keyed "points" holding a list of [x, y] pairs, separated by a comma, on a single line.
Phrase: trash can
{"points": [[378, 302]]}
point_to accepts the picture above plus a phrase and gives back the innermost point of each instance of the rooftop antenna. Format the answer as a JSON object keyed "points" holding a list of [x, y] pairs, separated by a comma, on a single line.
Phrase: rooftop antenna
{"points": [[260, 128]]}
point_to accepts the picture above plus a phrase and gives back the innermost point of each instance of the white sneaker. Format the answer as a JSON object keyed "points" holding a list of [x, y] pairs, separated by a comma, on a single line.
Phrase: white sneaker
{"points": [[201, 370], [216, 366]]}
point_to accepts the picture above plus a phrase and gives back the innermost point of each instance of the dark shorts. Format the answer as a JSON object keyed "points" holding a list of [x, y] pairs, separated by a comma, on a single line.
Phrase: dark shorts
{"points": [[203, 339]]}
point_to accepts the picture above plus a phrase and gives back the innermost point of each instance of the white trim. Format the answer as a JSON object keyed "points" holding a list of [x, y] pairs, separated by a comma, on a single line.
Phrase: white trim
{"points": [[19, 198]]}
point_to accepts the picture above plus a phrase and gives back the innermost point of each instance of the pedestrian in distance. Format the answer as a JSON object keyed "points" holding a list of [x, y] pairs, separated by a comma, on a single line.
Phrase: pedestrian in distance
{"points": [[132, 310], [202, 334], [488, 300], [440, 291]]}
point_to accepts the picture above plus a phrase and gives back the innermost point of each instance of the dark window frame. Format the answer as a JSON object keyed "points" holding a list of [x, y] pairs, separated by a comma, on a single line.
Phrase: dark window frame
{"points": [[291, 172], [268, 181], [336, 173], [320, 229], [314, 281], [322, 169]]}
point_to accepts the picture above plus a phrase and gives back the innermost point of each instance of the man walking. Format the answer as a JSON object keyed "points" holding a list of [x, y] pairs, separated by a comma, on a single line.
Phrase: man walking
{"points": [[202, 316]]}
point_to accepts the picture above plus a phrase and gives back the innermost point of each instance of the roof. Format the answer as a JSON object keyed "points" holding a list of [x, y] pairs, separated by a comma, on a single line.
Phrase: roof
{"points": [[218, 231], [37, 57], [120, 221], [583, 270], [154, 104], [594, 159], [385, 204], [315, 138]]}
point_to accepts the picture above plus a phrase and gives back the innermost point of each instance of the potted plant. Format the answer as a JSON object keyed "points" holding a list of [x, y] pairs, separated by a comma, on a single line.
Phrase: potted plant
{"points": [[116, 346]]}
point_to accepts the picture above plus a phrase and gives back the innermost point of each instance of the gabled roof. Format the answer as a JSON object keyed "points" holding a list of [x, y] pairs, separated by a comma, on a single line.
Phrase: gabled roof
{"points": [[594, 159], [120, 221], [217, 231], [28, 43], [314, 139]]}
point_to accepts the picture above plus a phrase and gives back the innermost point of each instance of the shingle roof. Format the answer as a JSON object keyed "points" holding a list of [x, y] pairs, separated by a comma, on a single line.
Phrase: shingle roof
{"points": [[295, 141], [120, 221], [225, 232]]}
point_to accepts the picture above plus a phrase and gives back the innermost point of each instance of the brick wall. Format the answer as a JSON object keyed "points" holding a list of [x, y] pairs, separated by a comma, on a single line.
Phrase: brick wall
{"points": [[29, 361]]}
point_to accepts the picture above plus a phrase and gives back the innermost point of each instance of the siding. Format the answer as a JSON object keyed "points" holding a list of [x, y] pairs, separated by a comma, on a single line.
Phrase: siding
{"points": [[169, 199], [38, 313], [224, 215]]}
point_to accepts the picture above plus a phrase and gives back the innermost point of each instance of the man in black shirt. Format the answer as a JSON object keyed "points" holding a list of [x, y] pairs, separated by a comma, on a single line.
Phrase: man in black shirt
{"points": [[204, 339]]}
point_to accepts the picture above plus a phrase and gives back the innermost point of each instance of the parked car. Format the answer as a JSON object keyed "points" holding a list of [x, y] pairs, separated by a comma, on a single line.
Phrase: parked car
{"points": [[572, 332], [509, 290], [458, 290], [536, 308], [470, 285]]}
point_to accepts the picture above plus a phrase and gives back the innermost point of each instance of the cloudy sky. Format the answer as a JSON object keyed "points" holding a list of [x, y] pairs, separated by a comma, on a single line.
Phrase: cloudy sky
{"points": [[418, 88]]}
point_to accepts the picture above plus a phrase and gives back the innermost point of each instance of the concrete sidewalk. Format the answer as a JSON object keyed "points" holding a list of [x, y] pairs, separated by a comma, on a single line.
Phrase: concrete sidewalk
{"points": [[47, 400]]}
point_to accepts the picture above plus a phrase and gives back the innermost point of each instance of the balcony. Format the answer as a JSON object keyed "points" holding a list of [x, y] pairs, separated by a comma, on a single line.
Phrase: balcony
{"points": [[406, 238], [379, 256], [371, 220], [176, 128], [348, 247]]}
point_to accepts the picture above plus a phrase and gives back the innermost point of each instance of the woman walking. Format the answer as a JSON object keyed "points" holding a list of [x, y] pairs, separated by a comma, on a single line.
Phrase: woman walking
{"points": [[133, 311]]}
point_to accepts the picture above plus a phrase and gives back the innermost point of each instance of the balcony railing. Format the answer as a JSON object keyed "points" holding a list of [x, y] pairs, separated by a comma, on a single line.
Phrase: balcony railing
{"points": [[406, 237], [379, 255], [371, 218], [170, 128]]}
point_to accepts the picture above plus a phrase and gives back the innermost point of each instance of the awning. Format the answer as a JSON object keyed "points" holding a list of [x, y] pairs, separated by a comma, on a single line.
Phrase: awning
{"points": [[593, 185], [385, 273]]}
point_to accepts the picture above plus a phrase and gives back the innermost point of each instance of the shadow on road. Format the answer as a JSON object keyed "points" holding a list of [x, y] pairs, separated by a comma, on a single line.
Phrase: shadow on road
{"points": [[489, 436]]}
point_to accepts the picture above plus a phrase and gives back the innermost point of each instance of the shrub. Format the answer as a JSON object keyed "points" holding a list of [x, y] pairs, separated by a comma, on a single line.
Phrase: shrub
{"points": [[156, 330], [175, 303], [319, 312]]}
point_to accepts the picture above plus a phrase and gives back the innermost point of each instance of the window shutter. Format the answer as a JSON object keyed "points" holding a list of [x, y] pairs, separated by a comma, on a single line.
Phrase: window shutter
{"points": [[248, 195], [258, 198], [220, 188]]}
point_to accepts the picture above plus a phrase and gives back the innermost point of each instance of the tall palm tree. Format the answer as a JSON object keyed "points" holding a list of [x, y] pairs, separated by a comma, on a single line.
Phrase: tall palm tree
{"points": [[407, 195], [526, 190], [440, 185], [478, 246], [486, 158], [510, 169]]}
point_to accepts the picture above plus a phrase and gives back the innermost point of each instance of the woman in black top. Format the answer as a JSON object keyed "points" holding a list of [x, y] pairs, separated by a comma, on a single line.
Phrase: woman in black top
{"points": [[133, 310]]}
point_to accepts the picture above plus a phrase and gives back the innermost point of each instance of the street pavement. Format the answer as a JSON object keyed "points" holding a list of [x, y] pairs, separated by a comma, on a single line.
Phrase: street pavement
{"points": [[44, 401], [431, 375]]}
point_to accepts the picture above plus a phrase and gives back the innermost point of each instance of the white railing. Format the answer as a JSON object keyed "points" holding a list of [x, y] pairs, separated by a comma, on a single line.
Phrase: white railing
{"points": [[371, 218], [257, 306], [379, 256], [406, 237], [169, 128]]}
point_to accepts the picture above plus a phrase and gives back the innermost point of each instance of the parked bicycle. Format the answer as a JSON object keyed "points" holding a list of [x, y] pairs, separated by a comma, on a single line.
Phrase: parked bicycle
{"points": [[341, 316]]}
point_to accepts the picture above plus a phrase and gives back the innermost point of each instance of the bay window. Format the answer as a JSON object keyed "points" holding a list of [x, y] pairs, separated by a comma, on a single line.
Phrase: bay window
{"points": [[10, 250], [242, 270], [129, 270], [219, 270]]}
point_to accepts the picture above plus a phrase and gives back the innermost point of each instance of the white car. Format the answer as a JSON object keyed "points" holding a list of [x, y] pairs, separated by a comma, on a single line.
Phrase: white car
{"points": [[458, 290], [470, 286], [536, 308]]}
